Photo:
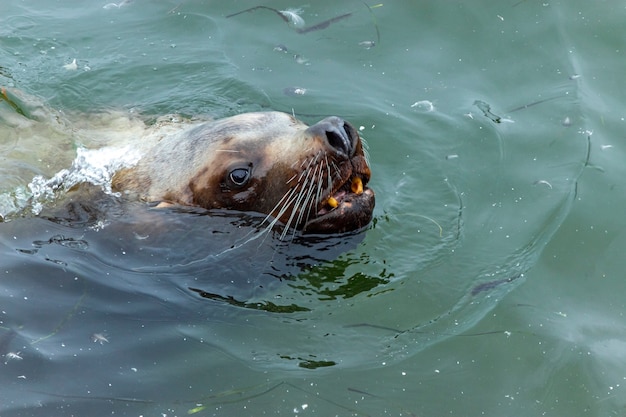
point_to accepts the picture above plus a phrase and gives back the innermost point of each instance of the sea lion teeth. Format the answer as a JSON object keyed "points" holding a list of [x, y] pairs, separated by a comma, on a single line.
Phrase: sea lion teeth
{"points": [[332, 202], [357, 186]]}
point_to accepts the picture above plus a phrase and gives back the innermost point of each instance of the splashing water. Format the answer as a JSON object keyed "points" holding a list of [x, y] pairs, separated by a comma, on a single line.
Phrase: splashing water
{"points": [[90, 166]]}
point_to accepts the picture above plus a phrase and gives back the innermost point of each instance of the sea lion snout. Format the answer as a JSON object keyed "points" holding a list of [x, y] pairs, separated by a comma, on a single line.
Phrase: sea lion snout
{"points": [[339, 134]]}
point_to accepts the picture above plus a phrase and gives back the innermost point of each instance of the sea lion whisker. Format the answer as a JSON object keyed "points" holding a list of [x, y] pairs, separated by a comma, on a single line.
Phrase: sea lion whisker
{"points": [[305, 196], [291, 179], [287, 196], [300, 211], [311, 161], [330, 176], [282, 210], [292, 196], [320, 181], [271, 224], [306, 161], [289, 221], [308, 202], [337, 170], [305, 170], [306, 205], [294, 199], [318, 191], [316, 188], [298, 203], [315, 158], [302, 174]]}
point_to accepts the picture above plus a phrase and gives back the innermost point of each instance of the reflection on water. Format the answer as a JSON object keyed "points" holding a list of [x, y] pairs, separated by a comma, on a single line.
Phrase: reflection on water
{"points": [[143, 269]]}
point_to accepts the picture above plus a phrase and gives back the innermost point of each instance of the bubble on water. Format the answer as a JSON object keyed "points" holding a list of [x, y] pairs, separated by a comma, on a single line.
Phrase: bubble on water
{"points": [[425, 106]]}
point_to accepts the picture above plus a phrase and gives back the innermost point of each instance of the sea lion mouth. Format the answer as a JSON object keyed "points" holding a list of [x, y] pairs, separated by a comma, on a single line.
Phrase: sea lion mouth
{"points": [[348, 204], [347, 208]]}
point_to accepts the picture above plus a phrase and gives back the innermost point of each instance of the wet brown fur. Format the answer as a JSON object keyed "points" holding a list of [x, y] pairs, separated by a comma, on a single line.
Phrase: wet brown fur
{"points": [[191, 168]]}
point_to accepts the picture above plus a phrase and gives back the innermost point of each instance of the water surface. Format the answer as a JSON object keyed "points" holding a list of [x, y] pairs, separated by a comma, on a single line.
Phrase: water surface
{"points": [[490, 282]]}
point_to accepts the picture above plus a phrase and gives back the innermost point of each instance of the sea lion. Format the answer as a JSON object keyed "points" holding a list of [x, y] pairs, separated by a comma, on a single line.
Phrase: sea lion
{"points": [[311, 178]]}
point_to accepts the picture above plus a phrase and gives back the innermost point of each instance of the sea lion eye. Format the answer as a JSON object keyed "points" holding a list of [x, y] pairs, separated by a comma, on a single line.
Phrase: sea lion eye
{"points": [[239, 176]]}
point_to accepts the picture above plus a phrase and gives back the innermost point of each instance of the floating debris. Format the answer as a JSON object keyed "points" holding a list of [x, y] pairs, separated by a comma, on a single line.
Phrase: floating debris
{"points": [[13, 356], [567, 122], [301, 60], [486, 109], [452, 156], [293, 19], [99, 338], [72, 66], [367, 44], [488, 286], [544, 182], [140, 237], [281, 48], [294, 91], [369, 8], [324, 24], [534, 103]]}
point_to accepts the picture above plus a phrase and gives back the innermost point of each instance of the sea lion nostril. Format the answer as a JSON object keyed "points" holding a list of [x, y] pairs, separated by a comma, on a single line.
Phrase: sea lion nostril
{"points": [[339, 140], [339, 134]]}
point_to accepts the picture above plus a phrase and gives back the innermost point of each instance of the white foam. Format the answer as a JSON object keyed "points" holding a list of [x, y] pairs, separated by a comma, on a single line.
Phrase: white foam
{"points": [[90, 166]]}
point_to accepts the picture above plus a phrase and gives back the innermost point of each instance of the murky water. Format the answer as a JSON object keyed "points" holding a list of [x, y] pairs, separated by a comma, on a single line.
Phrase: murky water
{"points": [[490, 282]]}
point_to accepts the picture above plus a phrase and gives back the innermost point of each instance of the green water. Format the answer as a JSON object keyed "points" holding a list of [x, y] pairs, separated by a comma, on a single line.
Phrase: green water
{"points": [[491, 281]]}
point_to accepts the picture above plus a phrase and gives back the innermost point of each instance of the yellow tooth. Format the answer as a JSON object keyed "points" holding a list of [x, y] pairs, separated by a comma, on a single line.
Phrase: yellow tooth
{"points": [[332, 202], [357, 185]]}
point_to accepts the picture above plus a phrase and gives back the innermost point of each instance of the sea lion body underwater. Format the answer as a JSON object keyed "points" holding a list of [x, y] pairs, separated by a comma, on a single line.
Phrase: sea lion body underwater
{"points": [[311, 178]]}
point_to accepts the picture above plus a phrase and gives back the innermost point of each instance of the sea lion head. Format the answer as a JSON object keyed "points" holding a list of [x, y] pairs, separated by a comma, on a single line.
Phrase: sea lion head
{"points": [[311, 178]]}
